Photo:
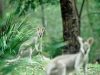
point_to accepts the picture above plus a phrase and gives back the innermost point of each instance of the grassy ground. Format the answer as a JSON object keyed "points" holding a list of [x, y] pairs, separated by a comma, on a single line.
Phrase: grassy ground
{"points": [[25, 68], [93, 69]]}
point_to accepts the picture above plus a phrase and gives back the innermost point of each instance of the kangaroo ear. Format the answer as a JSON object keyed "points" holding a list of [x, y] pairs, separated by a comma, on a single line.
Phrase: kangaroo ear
{"points": [[38, 29], [90, 40], [43, 29], [79, 39]]}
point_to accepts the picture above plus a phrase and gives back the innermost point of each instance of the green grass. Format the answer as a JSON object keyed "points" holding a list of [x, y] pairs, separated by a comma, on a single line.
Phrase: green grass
{"points": [[93, 69], [24, 68]]}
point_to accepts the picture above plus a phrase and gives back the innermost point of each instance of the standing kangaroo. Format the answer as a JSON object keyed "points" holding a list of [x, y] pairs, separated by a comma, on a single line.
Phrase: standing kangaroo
{"points": [[65, 64], [27, 48]]}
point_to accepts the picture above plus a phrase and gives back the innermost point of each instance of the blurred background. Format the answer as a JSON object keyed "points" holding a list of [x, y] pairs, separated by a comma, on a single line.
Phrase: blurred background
{"points": [[20, 18]]}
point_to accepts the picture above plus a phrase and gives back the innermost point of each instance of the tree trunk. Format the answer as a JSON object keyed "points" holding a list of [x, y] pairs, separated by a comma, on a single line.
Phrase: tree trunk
{"points": [[70, 26]]}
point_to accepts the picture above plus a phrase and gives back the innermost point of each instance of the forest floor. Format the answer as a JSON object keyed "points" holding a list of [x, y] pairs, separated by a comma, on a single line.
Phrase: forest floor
{"points": [[24, 68]]}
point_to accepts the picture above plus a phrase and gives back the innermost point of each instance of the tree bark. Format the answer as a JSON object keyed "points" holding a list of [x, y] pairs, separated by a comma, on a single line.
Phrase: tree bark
{"points": [[70, 26]]}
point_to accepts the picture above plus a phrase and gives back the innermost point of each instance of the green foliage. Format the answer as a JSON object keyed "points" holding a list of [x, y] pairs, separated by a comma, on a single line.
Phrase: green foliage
{"points": [[54, 48], [12, 34], [24, 5], [90, 26], [52, 2]]}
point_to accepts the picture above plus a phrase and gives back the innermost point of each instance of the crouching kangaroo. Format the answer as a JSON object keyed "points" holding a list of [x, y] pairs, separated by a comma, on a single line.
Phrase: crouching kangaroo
{"points": [[65, 64], [27, 48]]}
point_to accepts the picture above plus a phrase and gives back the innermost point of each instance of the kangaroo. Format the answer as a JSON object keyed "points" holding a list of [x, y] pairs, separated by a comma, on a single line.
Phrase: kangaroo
{"points": [[27, 48], [65, 64]]}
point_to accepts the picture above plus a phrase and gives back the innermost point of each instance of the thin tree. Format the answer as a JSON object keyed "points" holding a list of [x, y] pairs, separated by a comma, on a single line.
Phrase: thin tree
{"points": [[42, 14], [1, 8]]}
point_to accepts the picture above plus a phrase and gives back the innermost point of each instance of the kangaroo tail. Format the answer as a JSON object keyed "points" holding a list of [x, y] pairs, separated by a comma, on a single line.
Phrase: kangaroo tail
{"points": [[13, 60]]}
